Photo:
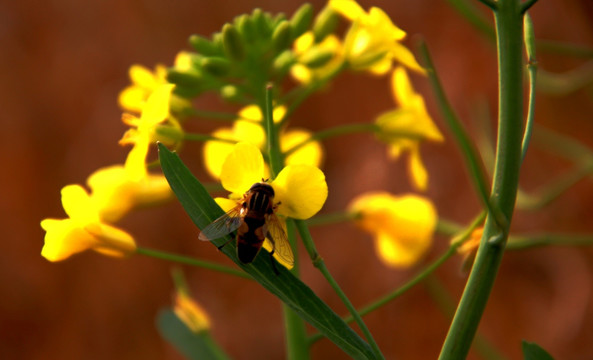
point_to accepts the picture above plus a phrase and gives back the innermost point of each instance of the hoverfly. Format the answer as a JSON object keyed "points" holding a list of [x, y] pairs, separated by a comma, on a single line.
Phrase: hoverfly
{"points": [[255, 220]]}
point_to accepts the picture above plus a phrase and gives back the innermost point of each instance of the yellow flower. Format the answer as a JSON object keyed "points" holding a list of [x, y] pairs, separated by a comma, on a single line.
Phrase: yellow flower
{"points": [[403, 226], [300, 190], [249, 128], [406, 126], [144, 82], [82, 230], [373, 41], [145, 128], [190, 312], [305, 48], [118, 189]]}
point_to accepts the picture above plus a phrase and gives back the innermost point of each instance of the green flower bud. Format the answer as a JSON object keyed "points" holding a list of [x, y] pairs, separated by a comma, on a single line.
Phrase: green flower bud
{"points": [[325, 23], [261, 23], [246, 28], [203, 46], [216, 66], [284, 61], [233, 43], [316, 57], [229, 92], [183, 78], [281, 38], [301, 20]]}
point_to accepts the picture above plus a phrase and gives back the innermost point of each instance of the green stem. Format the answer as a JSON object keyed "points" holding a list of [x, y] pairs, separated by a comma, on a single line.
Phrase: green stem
{"points": [[443, 300], [320, 264], [273, 144], [333, 218], [531, 73], [205, 137], [211, 115], [296, 337], [509, 29], [191, 261], [296, 334], [335, 131], [468, 150], [530, 241]]}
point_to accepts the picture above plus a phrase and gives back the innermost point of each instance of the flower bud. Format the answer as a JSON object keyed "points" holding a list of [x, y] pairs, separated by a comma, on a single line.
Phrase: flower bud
{"points": [[281, 37], [233, 43], [301, 20], [204, 46], [325, 23], [216, 66]]}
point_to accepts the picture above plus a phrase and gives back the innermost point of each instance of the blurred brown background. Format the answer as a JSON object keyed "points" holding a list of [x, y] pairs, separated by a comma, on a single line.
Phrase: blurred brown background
{"points": [[62, 65]]}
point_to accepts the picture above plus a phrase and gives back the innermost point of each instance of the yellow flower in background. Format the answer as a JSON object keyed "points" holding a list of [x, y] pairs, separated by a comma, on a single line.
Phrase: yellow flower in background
{"points": [[144, 82], [408, 125], [190, 312], [403, 226], [118, 189], [373, 41], [144, 129], [82, 230], [308, 53], [249, 128]]}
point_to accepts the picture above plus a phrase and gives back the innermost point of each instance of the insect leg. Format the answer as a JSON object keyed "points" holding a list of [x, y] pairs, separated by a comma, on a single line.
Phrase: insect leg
{"points": [[273, 263], [226, 242]]}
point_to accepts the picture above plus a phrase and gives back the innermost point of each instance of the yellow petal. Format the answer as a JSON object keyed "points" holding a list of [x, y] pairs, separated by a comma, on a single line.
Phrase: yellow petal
{"points": [[64, 238], [404, 56], [403, 226], [156, 108], [216, 152], [249, 132], [347, 8], [136, 161], [309, 154], [394, 254], [301, 191], [142, 77], [111, 241], [111, 192], [132, 99], [243, 167], [253, 113], [152, 190], [225, 204], [78, 205], [417, 170]]}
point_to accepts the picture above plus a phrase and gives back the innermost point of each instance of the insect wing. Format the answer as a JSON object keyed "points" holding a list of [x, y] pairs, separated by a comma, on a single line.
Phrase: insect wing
{"points": [[280, 244], [222, 226]]}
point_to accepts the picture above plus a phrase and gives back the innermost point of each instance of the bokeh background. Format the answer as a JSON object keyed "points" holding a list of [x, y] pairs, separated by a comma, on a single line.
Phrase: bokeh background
{"points": [[62, 64]]}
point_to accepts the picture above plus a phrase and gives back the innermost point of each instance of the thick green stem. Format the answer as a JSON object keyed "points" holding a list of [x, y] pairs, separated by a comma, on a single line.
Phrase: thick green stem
{"points": [[191, 261], [320, 264], [509, 30]]}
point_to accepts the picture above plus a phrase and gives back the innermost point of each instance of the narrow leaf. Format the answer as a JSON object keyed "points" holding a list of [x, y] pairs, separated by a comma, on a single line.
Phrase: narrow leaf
{"points": [[202, 209], [532, 351]]}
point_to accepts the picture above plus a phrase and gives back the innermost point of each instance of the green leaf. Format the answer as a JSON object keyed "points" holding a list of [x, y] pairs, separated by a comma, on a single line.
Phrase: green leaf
{"points": [[532, 351], [195, 346], [202, 209]]}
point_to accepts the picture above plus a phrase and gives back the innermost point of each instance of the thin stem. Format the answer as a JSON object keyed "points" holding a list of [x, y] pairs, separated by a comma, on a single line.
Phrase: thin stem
{"points": [[191, 261], [335, 131], [536, 240], [273, 144], [320, 264], [333, 218], [211, 115], [468, 149], [509, 29], [531, 73], [296, 335], [205, 137]]}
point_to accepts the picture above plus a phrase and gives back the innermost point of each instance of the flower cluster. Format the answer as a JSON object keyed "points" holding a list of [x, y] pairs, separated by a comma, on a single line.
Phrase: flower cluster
{"points": [[237, 63]]}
